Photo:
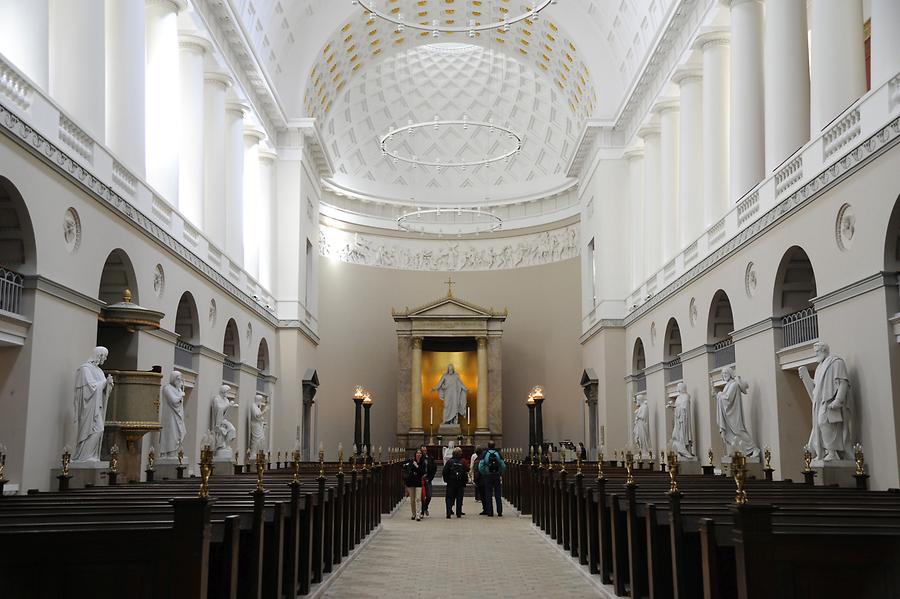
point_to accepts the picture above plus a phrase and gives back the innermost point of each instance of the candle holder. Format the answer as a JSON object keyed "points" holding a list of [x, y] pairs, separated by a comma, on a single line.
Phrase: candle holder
{"points": [[205, 471], [3, 480], [809, 475], [860, 475], [600, 475], [353, 463], [321, 461], [296, 466], [578, 465], [340, 459], [379, 456], [739, 471], [710, 468], [629, 469], [672, 467], [260, 470], [767, 458], [540, 458], [113, 473], [180, 468]]}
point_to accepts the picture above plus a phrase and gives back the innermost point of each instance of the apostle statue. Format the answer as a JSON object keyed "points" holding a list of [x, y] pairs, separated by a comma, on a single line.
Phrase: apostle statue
{"points": [[830, 395], [258, 412], [683, 424], [730, 415], [223, 430], [92, 389], [453, 393], [641, 426], [171, 416]]}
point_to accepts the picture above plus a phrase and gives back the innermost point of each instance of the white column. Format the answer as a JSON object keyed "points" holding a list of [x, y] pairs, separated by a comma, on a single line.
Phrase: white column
{"points": [[24, 37], [787, 80], [635, 158], [234, 181], [747, 97], [125, 79], [482, 405], [667, 110], [716, 152], [77, 62], [251, 200], [652, 233], [192, 49], [885, 48], [215, 88], [690, 152], [415, 392], [838, 58], [266, 215], [163, 97]]}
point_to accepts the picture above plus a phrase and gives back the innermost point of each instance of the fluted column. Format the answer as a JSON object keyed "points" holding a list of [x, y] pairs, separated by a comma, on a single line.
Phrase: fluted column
{"points": [[885, 46], [125, 82], [714, 46], [635, 158], [690, 149], [24, 37], [193, 48], [415, 392], [251, 200], [652, 233], [78, 62], [482, 405], [163, 97], [234, 181], [668, 176], [215, 89], [266, 215], [747, 97], [838, 58], [787, 80]]}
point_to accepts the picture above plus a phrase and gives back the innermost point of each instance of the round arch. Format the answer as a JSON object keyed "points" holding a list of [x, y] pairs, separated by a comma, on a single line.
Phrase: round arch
{"points": [[187, 319], [892, 240], [231, 345], [262, 357], [18, 250], [117, 276], [795, 283], [638, 357], [672, 341], [720, 323]]}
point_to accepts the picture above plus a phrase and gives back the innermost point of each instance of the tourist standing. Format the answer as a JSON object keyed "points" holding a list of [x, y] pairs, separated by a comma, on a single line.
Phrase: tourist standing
{"points": [[492, 468], [412, 478], [475, 475], [428, 468], [582, 451], [455, 474]]}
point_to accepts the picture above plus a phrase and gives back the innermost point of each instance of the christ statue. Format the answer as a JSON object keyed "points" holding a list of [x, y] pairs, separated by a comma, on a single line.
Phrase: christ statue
{"points": [[453, 393]]}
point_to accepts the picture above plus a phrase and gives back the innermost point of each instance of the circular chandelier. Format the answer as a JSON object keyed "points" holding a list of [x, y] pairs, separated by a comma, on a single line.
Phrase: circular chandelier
{"points": [[515, 143], [436, 28], [449, 221]]}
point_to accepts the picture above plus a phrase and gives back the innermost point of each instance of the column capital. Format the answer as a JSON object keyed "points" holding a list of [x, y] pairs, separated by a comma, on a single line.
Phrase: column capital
{"points": [[417, 342], [192, 41], [482, 342], [712, 37], [664, 105], [223, 79], [687, 73], [648, 130], [254, 134], [634, 153], [237, 106], [174, 5], [267, 154]]}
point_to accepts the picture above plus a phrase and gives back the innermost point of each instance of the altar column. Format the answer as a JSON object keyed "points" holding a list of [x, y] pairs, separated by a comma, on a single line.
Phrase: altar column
{"points": [[482, 407], [415, 393]]}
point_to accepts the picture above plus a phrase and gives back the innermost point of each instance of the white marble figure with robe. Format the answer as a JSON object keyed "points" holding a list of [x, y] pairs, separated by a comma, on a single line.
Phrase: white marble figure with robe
{"points": [[259, 410], [730, 415], [452, 392], [221, 427], [683, 424], [171, 416], [92, 389], [641, 426], [831, 406]]}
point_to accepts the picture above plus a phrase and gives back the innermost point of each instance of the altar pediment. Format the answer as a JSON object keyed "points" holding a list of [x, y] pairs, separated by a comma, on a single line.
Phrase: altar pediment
{"points": [[451, 308]]}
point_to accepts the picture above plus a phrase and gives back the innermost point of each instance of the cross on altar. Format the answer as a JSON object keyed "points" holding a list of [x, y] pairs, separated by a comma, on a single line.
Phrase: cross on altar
{"points": [[450, 283]]}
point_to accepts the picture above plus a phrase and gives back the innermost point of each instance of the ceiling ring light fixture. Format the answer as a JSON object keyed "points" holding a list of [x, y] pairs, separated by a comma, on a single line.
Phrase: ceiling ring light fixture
{"points": [[435, 27], [412, 221], [514, 139]]}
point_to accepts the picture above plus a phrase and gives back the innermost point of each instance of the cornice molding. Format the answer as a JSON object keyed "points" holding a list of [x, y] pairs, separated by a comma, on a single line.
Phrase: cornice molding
{"points": [[865, 285], [601, 325], [63, 292], [756, 328]]}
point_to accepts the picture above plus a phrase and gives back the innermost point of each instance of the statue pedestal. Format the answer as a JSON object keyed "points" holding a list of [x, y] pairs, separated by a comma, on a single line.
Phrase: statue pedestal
{"points": [[167, 468], [754, 468], [449, 432], [689, 466], [223, 464], [835, 472], [84, 474]]}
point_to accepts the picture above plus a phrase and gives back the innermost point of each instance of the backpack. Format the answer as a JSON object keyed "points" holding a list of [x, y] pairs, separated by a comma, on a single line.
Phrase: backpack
{"points": [[407, 470], [457, 473], [493, 464]]}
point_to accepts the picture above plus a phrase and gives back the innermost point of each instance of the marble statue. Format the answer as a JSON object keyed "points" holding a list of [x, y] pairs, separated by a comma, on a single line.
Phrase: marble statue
{"points": [[448, 451], [171, 416], [831, 406], [453, 393], [730, 415], [259, 410], [92, 389], [683, 424], [223, 430], [641, 427]]}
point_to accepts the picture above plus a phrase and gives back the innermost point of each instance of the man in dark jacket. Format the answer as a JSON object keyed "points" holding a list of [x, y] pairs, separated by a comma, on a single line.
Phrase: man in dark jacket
{"points": [[455, 474], [428, 468], [412, 479], [492, 468]]}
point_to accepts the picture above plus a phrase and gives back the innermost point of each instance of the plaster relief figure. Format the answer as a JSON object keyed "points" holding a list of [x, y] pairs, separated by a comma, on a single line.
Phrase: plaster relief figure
{"points": [[221, 427], [730, 416], [641, 426], [452, 392], [830, 395], [259, 411], [171, 416], [92, 389], [683, 427]]}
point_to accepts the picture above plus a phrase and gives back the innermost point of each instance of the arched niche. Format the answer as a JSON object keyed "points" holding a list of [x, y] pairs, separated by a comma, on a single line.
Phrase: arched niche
{"points": [[17, 245], [117, 276], [187, 319], [262, 357], [231, 347], [638, 364], [795, 286], [672, 350], [720, 325]]}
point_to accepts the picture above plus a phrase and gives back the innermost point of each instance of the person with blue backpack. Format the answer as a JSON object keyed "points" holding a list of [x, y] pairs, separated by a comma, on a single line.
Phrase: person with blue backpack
{"points": [[492, 468]]}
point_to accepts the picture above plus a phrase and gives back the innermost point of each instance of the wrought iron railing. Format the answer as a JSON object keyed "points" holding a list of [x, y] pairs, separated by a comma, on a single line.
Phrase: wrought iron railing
{"points": [[11, 284], [230, 371], [641, 382], [674, 370], [800, 327], [184, 354], [723, 352]]}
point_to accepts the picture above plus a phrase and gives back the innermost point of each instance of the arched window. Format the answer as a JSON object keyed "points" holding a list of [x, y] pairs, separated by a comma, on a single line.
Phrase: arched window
{"points": [[795, 286], [117, 276], [231, 347], [17, 247], [719, 329], [262, 357], [187, 326], [638, 364], [672, 351]]}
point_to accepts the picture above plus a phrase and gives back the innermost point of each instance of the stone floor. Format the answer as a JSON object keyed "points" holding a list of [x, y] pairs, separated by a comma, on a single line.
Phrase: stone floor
{"points": [[474, 556]]}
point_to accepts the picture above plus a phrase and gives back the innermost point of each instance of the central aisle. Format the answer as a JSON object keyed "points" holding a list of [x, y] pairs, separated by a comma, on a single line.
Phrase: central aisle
{"points": [[473, 556]]}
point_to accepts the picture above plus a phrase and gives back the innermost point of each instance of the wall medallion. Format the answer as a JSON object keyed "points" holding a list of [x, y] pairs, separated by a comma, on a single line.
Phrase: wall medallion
{"points": [[845, 227], [212, 311], [72, 230], [750, 279], [159, 280], [692, 311]]}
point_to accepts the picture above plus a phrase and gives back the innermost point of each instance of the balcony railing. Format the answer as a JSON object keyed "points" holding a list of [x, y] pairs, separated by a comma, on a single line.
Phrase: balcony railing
{"points": [[723, 352], [230, 371], [641, 382], [674, 370], [184, 354], [260, 384], [800, 327], [11, 291]]}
